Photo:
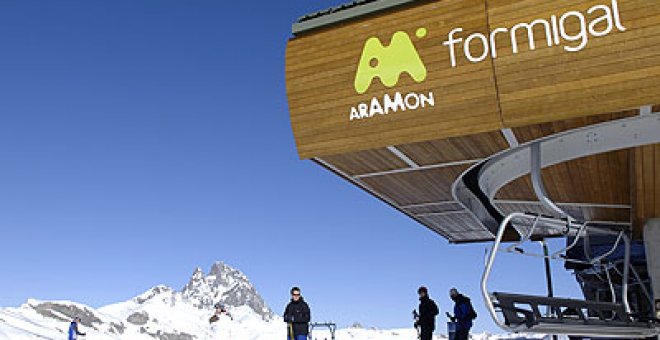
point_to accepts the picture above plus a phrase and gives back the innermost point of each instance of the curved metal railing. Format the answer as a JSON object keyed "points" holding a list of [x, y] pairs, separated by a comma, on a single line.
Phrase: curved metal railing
{"points": [[477, 187]]}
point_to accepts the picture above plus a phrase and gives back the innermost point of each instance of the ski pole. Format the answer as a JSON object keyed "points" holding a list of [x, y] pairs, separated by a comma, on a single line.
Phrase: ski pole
{"points": [[291, 333], [416, 318]]}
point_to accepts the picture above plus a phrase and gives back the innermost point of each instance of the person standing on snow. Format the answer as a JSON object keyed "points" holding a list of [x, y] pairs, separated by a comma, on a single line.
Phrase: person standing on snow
{"points": [[297, 316], [73, 329], [463, 314], [220, 311], [221, 323], [427, 313]]}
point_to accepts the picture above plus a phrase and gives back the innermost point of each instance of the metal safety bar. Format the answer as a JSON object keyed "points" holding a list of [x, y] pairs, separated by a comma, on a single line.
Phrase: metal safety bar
{"points": [[639, 280], [526, 237], [565, 250], [570, 226], [331, 326], [598, 259]]}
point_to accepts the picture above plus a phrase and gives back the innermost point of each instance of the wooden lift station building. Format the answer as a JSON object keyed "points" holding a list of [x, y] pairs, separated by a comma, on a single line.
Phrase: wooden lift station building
{"points": [[501, 121]]}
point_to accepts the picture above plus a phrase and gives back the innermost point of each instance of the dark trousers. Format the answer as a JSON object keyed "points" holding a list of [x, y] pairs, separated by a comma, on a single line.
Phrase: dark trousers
{"points": [[426, 333], [462, 334]]}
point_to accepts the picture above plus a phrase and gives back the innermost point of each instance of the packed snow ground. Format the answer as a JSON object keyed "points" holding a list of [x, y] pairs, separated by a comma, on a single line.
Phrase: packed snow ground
{"points": [[163, 313], [169, 319], [165, 321], [404, 334], [24, 324]]}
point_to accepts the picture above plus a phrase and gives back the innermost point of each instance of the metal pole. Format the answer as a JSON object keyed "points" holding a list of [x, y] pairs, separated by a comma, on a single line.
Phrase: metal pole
{"points": [[642, 285], [489, 266], [537, 181], [548, 270], [548, 278], [626, 269]]}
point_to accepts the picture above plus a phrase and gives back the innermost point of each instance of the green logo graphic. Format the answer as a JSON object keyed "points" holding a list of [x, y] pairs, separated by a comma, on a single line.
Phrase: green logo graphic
{"points": [[388, 62]]}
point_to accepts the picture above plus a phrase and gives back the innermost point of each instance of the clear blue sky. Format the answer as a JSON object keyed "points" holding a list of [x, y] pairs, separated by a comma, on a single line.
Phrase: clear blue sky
{"points": [[140, 139]]}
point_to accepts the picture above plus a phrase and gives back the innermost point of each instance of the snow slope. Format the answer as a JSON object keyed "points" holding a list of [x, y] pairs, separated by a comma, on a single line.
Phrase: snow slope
{"points": [[163, 313], [160, 313]]}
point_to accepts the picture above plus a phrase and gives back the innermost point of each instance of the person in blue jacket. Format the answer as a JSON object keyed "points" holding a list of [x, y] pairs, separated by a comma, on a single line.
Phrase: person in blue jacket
{"points": [[73, 329], [463, 314]]}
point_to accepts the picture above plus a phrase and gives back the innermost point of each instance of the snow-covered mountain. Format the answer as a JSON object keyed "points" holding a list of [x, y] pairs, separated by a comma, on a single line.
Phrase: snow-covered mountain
{"points": [[163, 313], [160, 313], [226, 285]]}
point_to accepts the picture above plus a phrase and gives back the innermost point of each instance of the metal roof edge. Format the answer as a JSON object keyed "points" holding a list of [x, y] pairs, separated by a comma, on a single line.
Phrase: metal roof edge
{"points": [[337, 15]]}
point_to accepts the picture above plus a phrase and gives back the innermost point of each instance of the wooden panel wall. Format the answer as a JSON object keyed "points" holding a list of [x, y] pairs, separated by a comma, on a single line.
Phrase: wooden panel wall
{"points": [[321, 69], [646, 185], [612, 73]]}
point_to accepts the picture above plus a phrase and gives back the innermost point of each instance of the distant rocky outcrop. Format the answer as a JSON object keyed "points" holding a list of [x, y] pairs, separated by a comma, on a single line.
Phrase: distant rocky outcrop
{"points": [[226, 285]]}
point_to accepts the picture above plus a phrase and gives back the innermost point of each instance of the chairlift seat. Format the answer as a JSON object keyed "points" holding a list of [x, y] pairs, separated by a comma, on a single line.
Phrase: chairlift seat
{"points": [[570, 316]]}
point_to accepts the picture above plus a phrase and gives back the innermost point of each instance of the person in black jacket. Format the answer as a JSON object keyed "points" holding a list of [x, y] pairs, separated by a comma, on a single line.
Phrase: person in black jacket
{"points": [[427, 313], [297, 316]]}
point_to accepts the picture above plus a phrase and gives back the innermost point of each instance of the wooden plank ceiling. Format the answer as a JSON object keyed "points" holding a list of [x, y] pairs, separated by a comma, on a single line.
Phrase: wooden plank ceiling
{"points": [[417, 178]]}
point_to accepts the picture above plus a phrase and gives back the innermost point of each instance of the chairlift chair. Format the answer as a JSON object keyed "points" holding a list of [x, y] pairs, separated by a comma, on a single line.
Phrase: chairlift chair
{"points": [[522, 313]]}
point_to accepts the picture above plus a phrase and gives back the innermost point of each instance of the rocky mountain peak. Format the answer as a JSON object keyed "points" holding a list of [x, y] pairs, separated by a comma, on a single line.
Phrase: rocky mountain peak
{"points": [[225, 285], [197, 274], [157, 291], [219, 268]]}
